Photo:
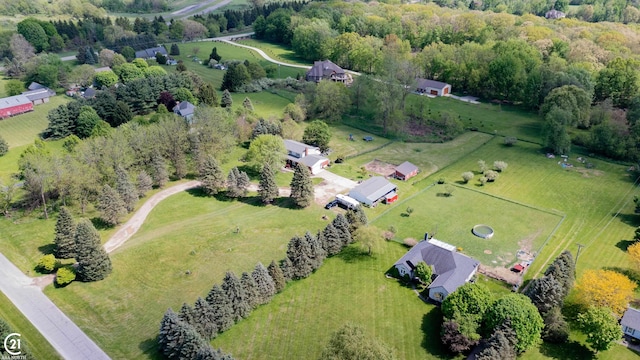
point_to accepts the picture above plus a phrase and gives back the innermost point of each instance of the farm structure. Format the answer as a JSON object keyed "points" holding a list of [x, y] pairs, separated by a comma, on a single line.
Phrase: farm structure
{"points": [[433, 87], [14, 105], [374, 190], [450, 268], [405, 171], [307, 155]]}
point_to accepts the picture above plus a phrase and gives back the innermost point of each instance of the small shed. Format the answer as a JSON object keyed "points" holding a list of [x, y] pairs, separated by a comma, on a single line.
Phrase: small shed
{"points": [[433, 87], [631, 323], [373, 190], [391, 197], [517, 268], [405, 171]]}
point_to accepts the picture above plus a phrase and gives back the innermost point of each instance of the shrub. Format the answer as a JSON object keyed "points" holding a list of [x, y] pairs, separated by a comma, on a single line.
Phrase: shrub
{"points": [[410, 242], [47, 263], [442, 181], [467, 176], [409, 211], [4, 147], [510, 140], [65, 276], [388, 235], [500, 166]]}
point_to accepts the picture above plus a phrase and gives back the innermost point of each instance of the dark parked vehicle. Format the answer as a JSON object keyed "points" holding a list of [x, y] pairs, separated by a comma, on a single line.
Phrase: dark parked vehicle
{"points": [[331, 204], [368, 138]]}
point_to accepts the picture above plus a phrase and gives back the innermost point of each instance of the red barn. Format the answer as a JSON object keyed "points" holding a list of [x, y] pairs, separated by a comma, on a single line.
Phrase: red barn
{"points": [[405, 171], [14, 105]]}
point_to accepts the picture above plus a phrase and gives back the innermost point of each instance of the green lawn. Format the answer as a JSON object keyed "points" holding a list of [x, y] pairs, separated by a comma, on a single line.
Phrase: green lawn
{"points": [[277, 51], [38, 346], [266, 104], [23, 129]]}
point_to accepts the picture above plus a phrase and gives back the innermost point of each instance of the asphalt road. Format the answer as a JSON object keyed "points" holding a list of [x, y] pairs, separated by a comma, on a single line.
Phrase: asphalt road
{"points": [[70, 342]]}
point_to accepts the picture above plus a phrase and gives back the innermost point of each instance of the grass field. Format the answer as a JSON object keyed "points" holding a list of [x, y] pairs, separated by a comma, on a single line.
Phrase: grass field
{"points": [[38, 346], [277, 51], [23, 129]]}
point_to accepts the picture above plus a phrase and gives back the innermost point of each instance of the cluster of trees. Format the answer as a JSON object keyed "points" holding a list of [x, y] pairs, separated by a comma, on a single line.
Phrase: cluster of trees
{"points": [[510, 324], [185, 335], [240, 73], [136, 6], [488, 174]]}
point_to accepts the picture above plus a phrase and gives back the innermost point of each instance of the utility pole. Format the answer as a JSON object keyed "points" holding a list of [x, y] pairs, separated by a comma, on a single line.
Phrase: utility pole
{"points": [[580, 246]]}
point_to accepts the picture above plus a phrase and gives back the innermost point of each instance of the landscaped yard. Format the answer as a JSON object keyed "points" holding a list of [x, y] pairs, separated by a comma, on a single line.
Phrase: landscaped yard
{"points": [[25, 128]]}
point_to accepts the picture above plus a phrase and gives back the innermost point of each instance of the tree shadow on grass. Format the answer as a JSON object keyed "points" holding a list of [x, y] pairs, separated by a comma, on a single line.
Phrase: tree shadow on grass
{"points": [[99, 224], [251, 171], [624, 244], [570, 350], [629, 219], [197, 192], [47, 249], [431, 324], [149, 347], [351, 254]]}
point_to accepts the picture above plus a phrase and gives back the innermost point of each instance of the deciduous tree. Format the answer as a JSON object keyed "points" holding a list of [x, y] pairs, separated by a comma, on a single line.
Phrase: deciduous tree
{"points": [[351, 342], [93, 261], [601, 327], [605, 288], [144, 183], [266, 149], [317, 133], [525, 319], [330, 100], [126, 189]]}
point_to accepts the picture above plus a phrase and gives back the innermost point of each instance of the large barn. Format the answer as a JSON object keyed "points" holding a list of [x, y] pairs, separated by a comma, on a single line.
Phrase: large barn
{"points": [[14, 105]]}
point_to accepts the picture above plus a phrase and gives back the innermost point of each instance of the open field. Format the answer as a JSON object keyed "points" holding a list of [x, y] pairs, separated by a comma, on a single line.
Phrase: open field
{"points": [[265, 104], [35, 342], [277, 51], [24, 128]]}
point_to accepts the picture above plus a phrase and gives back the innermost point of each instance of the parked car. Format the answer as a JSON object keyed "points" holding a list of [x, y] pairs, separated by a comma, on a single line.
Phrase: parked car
{"points": [[331, 204], [368, 138]]}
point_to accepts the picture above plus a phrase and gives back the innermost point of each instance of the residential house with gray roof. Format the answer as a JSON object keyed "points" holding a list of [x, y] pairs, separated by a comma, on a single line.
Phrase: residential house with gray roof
{"points": [[185, 109], [307, 155], [151, 52], [631, 322], [327, 70]]}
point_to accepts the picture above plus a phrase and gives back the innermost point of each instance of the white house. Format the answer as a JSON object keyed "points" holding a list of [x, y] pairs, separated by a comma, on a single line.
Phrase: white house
{"points": [[450, 268], [371, 191], [432, 87], [631, 322], [309, 156]]}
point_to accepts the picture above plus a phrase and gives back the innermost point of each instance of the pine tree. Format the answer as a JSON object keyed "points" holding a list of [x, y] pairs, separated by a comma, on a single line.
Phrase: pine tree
{"points": [[276, 274], [175, 50], [204, 318], [302, 186], [250, 289], [563, 270], [227, 100], [126, 189], [110, 206], [186, 314], [209, 353], [211, 176], [208, 95], [93, 261], [545, 293], [287, 269], [221, 307], [65, 235], [169, 338], [192, 342], [237, 183], [265, 285], [299, 253], [240, 307], [160, 175], [243, 182], [501, 344], [342, 225], [317, 253], [356, 218], [144, 183], [247, 104], [268, 189], [332, 241], [214, 54]]}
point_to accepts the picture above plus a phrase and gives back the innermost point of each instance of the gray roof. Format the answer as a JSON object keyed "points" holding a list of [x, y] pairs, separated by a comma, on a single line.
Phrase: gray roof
{"points": [[151, 52], [39, 94], [14, 101], [406, 168], [451, 268], [374, 188], [426, 83], [631, 318], [35, 86], [311, 160], [554, 14], [89, 93], [325, 68], [297, 147], [184, 108]]}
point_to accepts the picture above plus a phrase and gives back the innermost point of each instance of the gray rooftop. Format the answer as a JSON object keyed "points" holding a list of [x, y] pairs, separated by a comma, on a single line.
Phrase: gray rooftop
{"points": [[184, 108], [426, 83], [406, 168], [35, 86], [38, 94], [451, 268], [89, 93], [297, 146], [374, 188], [324, 69], [151, 52], [311, 160], [631, 318], [14, 101]]}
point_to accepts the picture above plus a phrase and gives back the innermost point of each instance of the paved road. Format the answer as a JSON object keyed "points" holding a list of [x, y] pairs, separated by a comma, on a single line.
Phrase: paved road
{"points": [[70, 342]]}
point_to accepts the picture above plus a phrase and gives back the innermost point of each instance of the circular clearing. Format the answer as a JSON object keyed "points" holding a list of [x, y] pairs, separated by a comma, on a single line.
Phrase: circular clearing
{"points": [[483, 231]]}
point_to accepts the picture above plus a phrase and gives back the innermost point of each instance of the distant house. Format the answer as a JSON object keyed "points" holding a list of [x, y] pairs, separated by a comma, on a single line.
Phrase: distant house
{"points": [[39, 96], [185, 109], [89, 93], [374, 190], [631, 322], [309, 156], [14, 105], [450, 268], [405, 171], [172, 62], [151, 52], [35, 86], [326, 70], [554, 14], [432, 87]]}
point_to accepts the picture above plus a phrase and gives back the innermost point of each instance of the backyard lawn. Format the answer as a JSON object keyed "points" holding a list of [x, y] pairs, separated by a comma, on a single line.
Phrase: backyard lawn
{"points": [[25, 128]]}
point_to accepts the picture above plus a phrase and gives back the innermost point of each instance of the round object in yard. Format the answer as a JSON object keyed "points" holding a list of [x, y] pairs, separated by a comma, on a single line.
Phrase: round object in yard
{"points": [[483, 231]]}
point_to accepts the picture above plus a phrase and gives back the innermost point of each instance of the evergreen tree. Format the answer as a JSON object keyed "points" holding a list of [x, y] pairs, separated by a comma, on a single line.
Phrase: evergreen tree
{"points": [[4, 147], [250, 289], [169, 338], [208, 95], [144, 183], [211, 176], [276, 274], [65, 235], [356, 218], [110, 206], [237, 183], [181, 67], [209, 353], [299, 253], [126, 189], [93, 261], [160, 175], [268, 189], [556, 329], [563, 270], [501, 344], [332, 242], [301, 186], [265, 286], [247, 104], [204, 318], [214, 54], [232, 286], [317, 252], [342, 226], [221, 307], [186, 314], [287, 269], [175, 50], [545, 293], [227, 101], [192, 342]]}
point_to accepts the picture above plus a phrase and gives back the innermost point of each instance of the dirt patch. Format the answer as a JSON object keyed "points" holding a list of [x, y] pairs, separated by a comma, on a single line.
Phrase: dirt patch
{"points": [[488, 252], [525, 252], [589, 172], [500, 273], [380, 167]]}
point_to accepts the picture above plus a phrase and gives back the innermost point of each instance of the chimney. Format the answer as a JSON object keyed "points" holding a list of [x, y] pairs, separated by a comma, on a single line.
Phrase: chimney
{"points": [[306, 151], [426, 236]]}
